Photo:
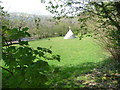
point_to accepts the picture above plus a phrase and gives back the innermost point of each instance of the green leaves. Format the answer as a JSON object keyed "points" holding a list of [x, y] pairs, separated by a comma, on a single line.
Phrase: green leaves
{"points": [[56, 57], [45, 50], [26, 64], [15, 34], [24, 43], [39, 48], [25, 29], [69, 3], [4, 28]]}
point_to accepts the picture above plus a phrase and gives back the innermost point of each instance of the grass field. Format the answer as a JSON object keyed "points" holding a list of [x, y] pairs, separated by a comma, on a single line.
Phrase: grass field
{"points": [[72, 51], [83, 64], [78, 59]]}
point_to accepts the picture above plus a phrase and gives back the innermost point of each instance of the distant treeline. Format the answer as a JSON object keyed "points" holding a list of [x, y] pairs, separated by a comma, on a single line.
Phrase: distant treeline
{"points": [[42, 26]]}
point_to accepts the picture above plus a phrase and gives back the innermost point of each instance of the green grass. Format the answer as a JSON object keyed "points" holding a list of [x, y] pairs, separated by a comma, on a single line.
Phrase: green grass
{"points": [[72, 51], [78, 58], [82, 62]]}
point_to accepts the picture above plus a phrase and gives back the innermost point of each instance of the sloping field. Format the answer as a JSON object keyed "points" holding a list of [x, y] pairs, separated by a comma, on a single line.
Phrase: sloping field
{"points": [[80, 61], [72, 51]]}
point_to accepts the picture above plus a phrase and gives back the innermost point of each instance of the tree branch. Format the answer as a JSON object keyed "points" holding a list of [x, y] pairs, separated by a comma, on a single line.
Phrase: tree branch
{"points": [[6, 70], [11, 44]]}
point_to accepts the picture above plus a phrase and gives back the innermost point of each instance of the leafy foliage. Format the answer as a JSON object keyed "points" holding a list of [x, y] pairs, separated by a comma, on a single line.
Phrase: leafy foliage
{"points": [[108, 28], [25, 67], [105, 16]]}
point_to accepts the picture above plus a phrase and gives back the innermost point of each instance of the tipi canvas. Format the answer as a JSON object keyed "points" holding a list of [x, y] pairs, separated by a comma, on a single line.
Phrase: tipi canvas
{"points": [[69, 35]]}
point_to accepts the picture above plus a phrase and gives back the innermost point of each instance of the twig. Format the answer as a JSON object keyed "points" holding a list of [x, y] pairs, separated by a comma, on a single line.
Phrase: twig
{"points": [[6, 70]]}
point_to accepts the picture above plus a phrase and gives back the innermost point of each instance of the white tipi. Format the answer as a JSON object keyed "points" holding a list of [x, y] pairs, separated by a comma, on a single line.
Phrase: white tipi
{"points": [[69, 34]]}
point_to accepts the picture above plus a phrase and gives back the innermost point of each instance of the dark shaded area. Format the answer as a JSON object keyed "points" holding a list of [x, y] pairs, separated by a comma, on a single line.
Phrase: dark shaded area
{"points": [[90, 75]]}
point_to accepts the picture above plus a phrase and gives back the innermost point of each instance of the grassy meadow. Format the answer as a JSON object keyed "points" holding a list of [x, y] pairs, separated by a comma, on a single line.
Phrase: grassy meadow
{"points": [[80, 61], [72, 51], [83, 64]]}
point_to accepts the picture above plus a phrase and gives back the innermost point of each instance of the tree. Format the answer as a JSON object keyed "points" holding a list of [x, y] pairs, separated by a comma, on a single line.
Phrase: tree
{"points": [[24, 67], [105, 14]]}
